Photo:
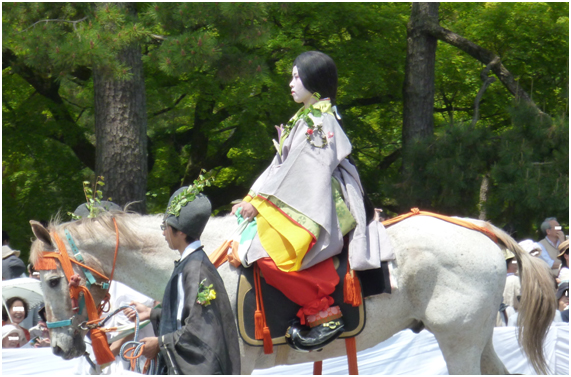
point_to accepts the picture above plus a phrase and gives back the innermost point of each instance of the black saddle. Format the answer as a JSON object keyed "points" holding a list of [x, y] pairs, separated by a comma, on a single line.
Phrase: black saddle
{"points": [[280, 310]]}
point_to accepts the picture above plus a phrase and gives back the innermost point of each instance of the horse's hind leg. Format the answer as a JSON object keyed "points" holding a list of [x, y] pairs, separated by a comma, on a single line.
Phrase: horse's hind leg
{"points": [[461, 355], [490, 362]]}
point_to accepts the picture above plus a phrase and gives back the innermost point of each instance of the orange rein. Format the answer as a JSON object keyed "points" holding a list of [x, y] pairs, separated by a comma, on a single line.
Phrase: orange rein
{"points": [[101, 349]]}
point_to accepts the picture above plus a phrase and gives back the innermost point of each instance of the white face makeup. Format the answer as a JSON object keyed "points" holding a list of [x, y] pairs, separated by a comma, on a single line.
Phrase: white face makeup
{"points": [[298, 91]]}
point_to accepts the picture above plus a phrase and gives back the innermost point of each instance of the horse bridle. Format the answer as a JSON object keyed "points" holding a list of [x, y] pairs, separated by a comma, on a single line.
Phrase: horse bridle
{"points": [[75, 289]]}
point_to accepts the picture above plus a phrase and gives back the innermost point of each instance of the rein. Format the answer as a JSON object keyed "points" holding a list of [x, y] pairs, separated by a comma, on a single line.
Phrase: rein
{"points": [[80, 294]]}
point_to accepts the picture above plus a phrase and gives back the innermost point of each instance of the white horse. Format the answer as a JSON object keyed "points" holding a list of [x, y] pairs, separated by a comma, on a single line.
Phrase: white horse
{"points": [[445, 278]]}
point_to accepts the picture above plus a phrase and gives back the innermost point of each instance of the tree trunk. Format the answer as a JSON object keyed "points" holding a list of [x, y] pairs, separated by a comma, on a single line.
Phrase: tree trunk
{"points": [[418, 90], [484, 188], [121, 130]]}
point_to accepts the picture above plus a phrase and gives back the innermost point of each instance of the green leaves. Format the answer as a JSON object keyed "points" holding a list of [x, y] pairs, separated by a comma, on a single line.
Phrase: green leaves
{"points": [[189, 194]]}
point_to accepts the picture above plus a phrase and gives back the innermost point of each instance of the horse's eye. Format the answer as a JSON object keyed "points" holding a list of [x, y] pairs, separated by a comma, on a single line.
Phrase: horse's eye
{"points": [[54, 282]]}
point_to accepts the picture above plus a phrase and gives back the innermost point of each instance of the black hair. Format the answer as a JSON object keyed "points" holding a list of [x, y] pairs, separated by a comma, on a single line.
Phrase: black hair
{"points": [[9, 304], [42, 313], [5, 238], [188, 239], [318, 74]]}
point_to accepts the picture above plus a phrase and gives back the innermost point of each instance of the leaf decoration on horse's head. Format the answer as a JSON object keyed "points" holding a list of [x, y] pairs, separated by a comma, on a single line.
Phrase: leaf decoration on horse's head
{"points": [[189, 194]]}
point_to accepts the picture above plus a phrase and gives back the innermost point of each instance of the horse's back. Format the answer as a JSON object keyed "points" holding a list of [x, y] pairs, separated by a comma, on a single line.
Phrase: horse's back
{"points": [[447, 273]]}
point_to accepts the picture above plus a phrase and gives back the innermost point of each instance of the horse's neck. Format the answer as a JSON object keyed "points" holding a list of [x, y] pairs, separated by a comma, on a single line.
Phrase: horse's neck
{"points": [[144, 265], [147, 265]]}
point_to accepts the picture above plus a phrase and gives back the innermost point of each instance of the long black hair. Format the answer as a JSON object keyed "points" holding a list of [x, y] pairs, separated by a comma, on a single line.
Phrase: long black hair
{"points": [[318, 74]]}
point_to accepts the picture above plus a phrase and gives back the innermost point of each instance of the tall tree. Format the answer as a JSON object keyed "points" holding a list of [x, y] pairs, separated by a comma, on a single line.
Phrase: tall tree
{"points": [[121, 124], [418, 88]]}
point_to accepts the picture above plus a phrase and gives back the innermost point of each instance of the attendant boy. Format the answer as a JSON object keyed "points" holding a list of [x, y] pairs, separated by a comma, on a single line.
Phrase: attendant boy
{"points": [[196, 327]]}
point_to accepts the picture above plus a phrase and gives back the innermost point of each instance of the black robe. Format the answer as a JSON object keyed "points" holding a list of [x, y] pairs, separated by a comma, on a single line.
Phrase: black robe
{"points": [[207, 342]]}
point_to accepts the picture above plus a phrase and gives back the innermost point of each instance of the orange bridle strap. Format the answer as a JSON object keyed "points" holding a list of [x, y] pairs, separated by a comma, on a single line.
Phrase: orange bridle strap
{"points": [[93, 312]]}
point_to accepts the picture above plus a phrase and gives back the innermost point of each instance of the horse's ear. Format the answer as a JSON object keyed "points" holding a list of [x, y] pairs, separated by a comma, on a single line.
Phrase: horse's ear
{"points": [[42, 234]]}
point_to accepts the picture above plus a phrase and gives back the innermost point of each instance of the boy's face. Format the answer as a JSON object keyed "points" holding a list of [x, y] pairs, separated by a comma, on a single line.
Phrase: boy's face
{"points": [[174, 238]]}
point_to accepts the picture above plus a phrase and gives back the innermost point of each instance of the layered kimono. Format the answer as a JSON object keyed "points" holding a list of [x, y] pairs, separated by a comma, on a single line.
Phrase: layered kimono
{"points": [[205, 341], [310, 197]]}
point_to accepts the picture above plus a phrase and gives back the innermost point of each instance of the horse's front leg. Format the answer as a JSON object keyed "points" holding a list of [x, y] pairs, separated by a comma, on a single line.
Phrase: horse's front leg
{"points": [[249, 356]]}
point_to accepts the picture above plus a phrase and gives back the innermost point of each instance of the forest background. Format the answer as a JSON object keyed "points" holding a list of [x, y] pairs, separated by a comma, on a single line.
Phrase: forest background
{"points": [[148, 94]]}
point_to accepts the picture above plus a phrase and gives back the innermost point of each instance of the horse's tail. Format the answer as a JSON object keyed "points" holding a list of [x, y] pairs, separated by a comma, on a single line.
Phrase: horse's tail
{"points": [[538, 303]]}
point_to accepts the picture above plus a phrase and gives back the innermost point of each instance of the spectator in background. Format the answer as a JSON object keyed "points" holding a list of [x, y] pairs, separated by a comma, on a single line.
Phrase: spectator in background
{"points": [[564, 259], [563, 301], [32, 272], [512, 289], [12, 336], [18, 309], [531, 247], [12, 265], [40, 334], [549, 245]]}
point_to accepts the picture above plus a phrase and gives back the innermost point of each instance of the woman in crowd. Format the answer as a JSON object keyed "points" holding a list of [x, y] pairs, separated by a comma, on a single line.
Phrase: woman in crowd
{"points": [[18, 309]]}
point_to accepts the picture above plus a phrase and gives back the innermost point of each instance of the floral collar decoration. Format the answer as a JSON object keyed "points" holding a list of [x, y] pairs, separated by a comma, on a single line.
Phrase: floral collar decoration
{"points": [[309, 115]]}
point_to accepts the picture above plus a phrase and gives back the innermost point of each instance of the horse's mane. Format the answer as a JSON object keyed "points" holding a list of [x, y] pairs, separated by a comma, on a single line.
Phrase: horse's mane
{"points": [[101, 229]]}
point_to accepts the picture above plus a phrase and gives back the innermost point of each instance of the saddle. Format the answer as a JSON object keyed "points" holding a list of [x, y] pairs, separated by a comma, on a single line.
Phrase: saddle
{"points": [[280, 310]]}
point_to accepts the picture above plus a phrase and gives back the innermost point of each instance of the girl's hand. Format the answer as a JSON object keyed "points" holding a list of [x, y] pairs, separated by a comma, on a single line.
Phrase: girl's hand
{"points": [[248, 211]]}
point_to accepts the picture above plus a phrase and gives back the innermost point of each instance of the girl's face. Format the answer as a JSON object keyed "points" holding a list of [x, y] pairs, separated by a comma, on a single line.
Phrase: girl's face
{"points": [[17, 312], [298, 91]]}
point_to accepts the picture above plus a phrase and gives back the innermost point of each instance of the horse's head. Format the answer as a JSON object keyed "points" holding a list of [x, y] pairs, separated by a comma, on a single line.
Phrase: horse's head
{"points": [[67, 333]]}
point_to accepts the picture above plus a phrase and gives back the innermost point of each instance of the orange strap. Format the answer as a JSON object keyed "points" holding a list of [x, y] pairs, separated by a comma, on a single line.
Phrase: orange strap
{"points": [[59, 257], [351, 346], [463, 223], [317, 368], [220, 255]]}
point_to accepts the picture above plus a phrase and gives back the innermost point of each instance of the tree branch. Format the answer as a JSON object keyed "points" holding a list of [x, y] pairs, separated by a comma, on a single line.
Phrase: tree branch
{"points": [[54, 20], [366, 101], [167, 109], [390, 159], [487, 82], [481, 54]]}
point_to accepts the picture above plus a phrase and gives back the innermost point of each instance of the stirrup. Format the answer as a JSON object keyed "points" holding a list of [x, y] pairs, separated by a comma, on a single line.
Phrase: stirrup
{"points": [[314, 339]]}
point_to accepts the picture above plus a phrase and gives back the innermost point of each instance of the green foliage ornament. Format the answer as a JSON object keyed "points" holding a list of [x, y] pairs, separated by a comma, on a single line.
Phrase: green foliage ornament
{"points": [[93, 198], [189, 194]]}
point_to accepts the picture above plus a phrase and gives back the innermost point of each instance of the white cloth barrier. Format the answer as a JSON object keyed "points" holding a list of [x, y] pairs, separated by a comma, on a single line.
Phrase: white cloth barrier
{"points": [[404, 353]]}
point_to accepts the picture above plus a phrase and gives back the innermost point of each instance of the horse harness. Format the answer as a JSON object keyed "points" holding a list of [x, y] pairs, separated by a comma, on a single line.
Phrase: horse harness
{"points": [[80, 295]]}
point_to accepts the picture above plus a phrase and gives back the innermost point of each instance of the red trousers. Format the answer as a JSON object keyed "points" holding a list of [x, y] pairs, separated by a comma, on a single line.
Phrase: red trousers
{"points": [[309, 288]]}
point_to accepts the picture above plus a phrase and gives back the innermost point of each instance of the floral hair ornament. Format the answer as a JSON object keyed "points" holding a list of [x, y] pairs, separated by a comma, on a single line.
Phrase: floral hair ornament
{"points": [[189, 194], [205, 293]]}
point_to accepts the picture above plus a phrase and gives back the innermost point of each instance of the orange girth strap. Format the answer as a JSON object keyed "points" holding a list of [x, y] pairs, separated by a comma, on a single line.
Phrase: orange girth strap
{"points": [[463, 223]]}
